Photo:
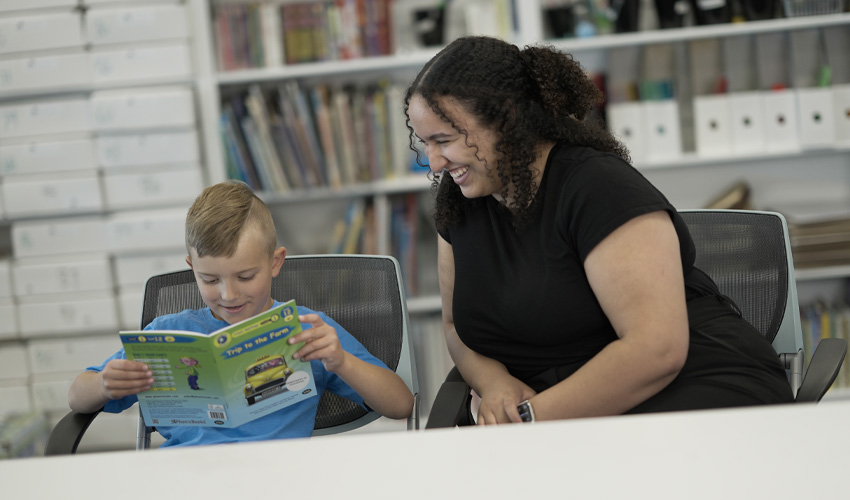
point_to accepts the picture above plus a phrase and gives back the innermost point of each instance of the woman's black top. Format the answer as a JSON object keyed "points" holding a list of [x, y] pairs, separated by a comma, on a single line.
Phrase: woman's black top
{"points": [[523, 298]]}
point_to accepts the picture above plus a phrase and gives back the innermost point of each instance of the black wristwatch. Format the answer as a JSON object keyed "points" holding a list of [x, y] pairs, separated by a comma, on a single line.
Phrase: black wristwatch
{"points": [[526, 412]]}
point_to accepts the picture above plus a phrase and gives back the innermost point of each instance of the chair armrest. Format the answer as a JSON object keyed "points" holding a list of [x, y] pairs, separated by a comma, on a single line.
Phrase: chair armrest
{"points": [[66, 436], [451, 407], [822, 370]]}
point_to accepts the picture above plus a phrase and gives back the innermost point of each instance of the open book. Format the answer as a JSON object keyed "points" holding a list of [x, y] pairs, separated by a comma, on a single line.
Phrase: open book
{"points": [[225, 378]]}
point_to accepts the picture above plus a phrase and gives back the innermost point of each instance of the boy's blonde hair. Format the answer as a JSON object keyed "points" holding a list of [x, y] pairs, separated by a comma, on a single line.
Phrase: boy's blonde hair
{"points": [[220, 214]]}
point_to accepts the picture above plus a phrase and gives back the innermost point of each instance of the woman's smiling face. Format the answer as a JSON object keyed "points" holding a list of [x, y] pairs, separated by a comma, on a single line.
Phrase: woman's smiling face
{"points": [[468, 159]]}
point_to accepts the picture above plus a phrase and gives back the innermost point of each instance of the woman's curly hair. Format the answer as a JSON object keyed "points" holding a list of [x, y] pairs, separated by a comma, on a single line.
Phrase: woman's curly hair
{"points": [[537, 94]]}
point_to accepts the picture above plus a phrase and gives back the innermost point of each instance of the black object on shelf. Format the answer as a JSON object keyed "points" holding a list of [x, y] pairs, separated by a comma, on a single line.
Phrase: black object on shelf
{"points": [[671, 13], [757, 10], [627, 16], [429, 25], [561, 20], [712, 11]]}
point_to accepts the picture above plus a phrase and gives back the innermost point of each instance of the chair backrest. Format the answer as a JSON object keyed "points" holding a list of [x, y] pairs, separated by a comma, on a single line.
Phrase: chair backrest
{"points": [[363, 293], [748, 254]]}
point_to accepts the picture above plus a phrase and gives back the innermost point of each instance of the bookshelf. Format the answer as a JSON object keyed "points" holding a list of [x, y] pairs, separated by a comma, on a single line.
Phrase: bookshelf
{"points": [[689, 178]]}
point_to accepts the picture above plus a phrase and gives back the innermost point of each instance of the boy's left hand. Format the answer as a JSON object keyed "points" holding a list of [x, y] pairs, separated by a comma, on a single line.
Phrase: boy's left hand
{"points": [[320, 342]]}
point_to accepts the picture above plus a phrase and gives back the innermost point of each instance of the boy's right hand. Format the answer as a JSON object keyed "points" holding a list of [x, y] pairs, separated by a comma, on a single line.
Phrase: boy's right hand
{"points": [[123, 377]]}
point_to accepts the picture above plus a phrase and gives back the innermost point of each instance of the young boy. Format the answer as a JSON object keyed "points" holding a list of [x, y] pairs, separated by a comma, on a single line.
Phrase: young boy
{"points": [[232, 245]]}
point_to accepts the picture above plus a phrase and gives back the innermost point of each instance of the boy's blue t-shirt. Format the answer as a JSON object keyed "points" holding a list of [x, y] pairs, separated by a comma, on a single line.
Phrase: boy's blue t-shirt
{"points": [[293, 421]]}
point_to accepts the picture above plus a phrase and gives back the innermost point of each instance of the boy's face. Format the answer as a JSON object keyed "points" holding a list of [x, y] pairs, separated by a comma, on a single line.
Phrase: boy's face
{"points": [[238, 287]]}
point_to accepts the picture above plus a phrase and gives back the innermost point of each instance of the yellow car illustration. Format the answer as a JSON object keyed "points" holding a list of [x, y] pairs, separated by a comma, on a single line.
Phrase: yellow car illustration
{"points": [[265, 377]]}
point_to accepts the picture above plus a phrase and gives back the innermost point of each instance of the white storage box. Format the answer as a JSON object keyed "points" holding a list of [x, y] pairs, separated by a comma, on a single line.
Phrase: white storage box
{"points": [[817, 117], [8, 319], [141, 64], [47, 195], [712, 129], [131, 23], [842, 114], [50, 391], [664, 133], [171, 148], [13, 361], [115, 110], [45, 72], [130, 307], [71, 354], [12, 5], [14, 397], [40, 32], [50, 275], [59, 236], [134, 270], [48, 116], [747, 122], [67, 315], [781, 123], [152, 187], [5, 278], [132, 232], [626, 122], [40, 157]]}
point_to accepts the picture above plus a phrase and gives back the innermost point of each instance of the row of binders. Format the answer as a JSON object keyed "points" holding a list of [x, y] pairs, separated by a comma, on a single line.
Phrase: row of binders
{"points": [[735, 124], [767, 93], [254, 35], [289, 138]]}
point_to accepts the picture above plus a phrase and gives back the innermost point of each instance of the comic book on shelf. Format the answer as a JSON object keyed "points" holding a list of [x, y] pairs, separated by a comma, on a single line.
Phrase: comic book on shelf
{"points": [[225, 378]]}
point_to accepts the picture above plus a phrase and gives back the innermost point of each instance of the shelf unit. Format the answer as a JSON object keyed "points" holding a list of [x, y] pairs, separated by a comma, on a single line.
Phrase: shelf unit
{"points": [[591, 51]]}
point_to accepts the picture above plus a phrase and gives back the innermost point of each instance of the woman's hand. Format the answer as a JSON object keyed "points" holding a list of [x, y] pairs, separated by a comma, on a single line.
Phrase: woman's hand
{"points": [[500, 397]]}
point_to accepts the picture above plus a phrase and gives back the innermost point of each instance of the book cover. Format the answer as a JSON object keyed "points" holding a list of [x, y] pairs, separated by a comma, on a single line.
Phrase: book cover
{"points": [[225, 378]]}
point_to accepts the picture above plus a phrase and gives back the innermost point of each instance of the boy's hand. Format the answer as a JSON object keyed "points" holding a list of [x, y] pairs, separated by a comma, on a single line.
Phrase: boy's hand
{"points": [[122, 377], [320, 342]]}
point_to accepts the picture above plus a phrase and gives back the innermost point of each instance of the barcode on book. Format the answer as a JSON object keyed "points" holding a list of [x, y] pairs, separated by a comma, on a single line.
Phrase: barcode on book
{"points": [[218, 415]]}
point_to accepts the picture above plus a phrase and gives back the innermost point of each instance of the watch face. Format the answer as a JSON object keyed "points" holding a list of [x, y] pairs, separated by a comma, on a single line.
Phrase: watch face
{"points": [[524, 410]]}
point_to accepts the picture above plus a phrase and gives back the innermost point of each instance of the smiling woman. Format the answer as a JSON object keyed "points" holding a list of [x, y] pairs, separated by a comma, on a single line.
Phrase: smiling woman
{"points": [[567, 280]]}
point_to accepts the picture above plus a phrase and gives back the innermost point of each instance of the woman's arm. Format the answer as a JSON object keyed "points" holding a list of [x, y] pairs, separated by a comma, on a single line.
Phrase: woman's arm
{"points": [[487, 377], [636, 275]]}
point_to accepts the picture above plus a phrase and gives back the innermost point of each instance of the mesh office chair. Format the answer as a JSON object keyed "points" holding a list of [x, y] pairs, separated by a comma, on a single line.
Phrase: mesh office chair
{"points": [[363, 293], [748, 254]]}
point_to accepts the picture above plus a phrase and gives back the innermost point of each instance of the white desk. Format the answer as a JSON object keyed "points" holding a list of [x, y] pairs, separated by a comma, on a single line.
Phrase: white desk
{"points": [[794, 452]]}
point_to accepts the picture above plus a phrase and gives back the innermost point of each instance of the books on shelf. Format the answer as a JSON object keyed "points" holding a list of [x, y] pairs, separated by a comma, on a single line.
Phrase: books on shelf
{"points": [[819, 233], [291, 137], [224, 378], [820, 320], [355, 232], [268, 34], [404, 223]]}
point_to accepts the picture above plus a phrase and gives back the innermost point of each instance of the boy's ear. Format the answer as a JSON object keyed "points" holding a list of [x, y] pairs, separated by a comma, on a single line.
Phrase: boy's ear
{"points": [[189, 261], [277, 260]]}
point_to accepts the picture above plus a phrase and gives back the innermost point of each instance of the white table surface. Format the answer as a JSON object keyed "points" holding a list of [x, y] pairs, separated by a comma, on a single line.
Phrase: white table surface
{"points": [[792, 451]]}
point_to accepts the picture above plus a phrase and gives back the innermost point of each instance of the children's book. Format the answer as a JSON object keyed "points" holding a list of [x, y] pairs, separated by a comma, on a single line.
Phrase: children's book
{"points": [[225, 378]]}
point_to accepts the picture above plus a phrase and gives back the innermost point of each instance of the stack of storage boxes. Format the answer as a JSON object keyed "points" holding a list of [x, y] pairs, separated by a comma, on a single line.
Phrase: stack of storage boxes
{"points": [[99, 159]]}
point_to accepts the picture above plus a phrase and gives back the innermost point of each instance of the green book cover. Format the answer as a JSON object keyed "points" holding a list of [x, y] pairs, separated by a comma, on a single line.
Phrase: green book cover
{"points": [[225, 378]]}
